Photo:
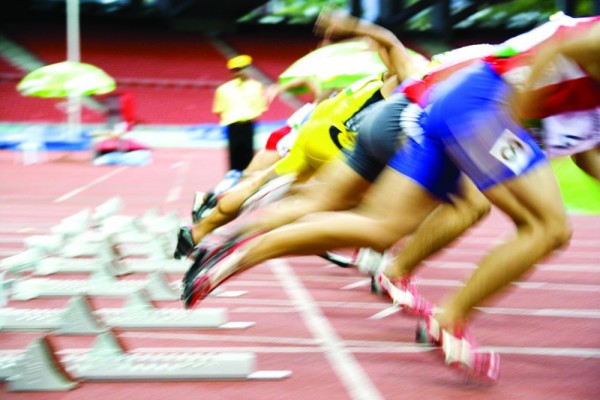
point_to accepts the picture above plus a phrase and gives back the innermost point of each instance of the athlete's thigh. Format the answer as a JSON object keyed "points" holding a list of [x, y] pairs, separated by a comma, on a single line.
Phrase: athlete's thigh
{"points": [[336, 185], [533, 195], [398, 201]]}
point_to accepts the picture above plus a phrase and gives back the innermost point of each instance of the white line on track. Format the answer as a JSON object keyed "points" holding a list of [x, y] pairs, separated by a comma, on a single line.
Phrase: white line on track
{"points": [[568, 287], [301, 345], [541, 267], [397, 348], [89, 185], [352, 376], [530, 312], [182, 170]]}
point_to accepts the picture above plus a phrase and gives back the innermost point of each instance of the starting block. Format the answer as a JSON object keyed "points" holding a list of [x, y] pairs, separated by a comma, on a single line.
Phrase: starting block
{"points": [[40, 369], [53, 265], [107, 209], [102, 284], [73, 225], [23, 261], [78, 317], [46, 243]]}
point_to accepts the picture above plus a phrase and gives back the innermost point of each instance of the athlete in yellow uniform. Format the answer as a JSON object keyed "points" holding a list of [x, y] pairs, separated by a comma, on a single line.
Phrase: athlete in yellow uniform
{"points": [[320, 139]]}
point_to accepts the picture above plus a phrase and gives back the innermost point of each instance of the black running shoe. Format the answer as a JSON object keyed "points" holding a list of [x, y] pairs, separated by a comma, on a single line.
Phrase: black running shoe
{"points": [[185, 243], [196, 267], [203, 203], [206, 260], [338, 259]]}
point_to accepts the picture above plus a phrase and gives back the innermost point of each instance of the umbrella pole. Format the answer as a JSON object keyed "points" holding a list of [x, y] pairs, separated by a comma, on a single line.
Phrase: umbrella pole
{"points": [[73, 54]]}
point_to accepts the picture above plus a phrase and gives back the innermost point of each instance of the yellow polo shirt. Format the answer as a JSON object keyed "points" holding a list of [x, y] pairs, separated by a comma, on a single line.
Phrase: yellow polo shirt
{"points": [[239, 100]]}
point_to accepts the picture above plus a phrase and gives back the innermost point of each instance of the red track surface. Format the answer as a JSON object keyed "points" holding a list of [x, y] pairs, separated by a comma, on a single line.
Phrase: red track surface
{"points": [[332, 347]]}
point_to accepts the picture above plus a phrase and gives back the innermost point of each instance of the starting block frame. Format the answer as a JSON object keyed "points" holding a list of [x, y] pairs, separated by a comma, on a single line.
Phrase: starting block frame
{"points": [[103, 284], [79, 317], [40, 369]]}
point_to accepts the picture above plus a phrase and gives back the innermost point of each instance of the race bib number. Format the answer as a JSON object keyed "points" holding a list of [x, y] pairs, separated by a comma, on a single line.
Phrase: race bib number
{"points": [[511, 151]]}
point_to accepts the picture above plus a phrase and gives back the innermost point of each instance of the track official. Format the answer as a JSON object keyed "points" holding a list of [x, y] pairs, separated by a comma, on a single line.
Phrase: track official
{"points": [[240, 102]]}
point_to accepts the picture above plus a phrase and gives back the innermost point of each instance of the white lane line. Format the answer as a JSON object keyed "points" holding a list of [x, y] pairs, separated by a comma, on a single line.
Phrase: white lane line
{"points": [[182, 170], [300, 345], [569, 287], [398, 348], [348, 370], [530, 312], [541, 267], [89, 185], [543, 312]]}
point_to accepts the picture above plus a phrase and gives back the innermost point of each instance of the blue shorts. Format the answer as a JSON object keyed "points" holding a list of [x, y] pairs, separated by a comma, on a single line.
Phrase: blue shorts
{"points": [[469, 129]]}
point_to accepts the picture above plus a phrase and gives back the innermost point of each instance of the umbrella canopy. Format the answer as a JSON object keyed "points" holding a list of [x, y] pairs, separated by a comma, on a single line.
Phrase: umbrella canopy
{"points": [[66, 79], [339, 64]]}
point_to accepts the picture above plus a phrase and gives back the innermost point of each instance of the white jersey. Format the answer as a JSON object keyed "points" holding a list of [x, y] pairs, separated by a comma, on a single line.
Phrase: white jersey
{"points": [[570, 133]]}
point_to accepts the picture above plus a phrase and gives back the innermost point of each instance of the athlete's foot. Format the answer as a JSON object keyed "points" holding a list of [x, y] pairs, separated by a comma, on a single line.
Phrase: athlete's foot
{"points": [[202, 205], [185, 242], [459, 350], [214, 268], [404, 294]]}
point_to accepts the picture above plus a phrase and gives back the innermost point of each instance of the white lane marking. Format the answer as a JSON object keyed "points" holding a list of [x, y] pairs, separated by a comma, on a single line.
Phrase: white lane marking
{"points": [[573, 287], [312, 346], [182, 170], [348, 370], [541, 267], [89, 185]]}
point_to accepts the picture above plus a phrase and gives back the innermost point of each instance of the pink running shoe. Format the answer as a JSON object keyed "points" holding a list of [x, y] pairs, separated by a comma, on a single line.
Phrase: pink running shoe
{"points": [[403, 293], [460, 351]]}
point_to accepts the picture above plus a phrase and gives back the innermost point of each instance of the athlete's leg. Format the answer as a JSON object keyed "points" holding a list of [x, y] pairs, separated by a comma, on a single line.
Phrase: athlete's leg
{"points": [[262, 159], [370, 225], [229, 205], [589, 162], [534, 203], [335, 187], [446, 223]]}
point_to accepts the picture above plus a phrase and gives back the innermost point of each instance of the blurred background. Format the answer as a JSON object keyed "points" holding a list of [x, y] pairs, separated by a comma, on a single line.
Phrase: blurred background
{"points": [[168, 56]]}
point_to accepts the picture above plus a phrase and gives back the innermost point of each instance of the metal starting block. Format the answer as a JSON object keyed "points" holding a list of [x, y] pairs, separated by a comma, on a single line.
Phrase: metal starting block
{"points": [[78, 317], [40, 369], [52, 265], [73, 225], [103, 284]]}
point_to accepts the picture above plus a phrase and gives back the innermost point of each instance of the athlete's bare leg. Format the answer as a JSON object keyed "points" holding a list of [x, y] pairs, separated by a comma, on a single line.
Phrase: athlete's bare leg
{"points": [[534, 203], [262, 160], [335, 187], [589, 162], [445, 224], [369, 225], [229, 205]]}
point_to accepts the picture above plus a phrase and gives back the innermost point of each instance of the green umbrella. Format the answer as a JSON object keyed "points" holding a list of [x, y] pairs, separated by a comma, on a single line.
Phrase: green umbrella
{"points": [[66, 79], [339, 64], [580, 192]]}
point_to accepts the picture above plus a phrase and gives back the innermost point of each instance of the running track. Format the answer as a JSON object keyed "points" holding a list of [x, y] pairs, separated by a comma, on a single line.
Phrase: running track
{"points": [[314, 319]]}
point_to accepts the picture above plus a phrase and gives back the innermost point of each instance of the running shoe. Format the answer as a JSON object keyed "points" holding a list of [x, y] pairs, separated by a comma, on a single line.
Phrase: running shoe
{"points": [[209, 247], [369, 261], [338, 259], [196, 268], [202, 205], [460, 351], [222, 259], [198, 283], [185, 242], [404, 294]]}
